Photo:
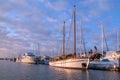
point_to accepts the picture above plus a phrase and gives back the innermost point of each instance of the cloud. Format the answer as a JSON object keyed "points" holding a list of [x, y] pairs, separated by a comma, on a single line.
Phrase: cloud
{"points": [[93, 9], [56, 5], [25, 23]]}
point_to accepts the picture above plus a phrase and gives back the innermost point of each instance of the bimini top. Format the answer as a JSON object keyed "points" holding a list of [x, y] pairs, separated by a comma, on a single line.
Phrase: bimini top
{"points": [[29, 54]]}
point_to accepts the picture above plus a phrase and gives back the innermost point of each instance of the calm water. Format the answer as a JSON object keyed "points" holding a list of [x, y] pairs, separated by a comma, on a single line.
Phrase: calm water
{"points": [[19, 71]]}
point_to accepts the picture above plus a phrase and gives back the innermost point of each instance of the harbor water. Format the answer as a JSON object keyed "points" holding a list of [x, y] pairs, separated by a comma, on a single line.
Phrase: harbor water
{"points": [[21, 71]]}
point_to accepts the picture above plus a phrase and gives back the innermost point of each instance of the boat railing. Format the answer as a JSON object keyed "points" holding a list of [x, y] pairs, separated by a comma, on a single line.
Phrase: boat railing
{"points": [[95, 60]]}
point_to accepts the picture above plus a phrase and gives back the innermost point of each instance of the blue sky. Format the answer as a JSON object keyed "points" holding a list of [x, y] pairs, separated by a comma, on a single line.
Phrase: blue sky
{"points": [[25, 23]]}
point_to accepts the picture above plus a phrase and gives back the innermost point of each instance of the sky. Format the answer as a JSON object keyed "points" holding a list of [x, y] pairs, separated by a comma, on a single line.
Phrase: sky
{"points": [[25, 24]]}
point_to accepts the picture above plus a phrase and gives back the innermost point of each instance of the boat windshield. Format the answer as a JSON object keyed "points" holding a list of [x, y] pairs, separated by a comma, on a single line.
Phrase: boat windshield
{"points": [[105, 60], [30, 54]]}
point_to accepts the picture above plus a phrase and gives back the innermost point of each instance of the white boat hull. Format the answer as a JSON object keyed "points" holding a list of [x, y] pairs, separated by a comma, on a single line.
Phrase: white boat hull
{"points": [[102, 65], [28, 60], [71, 63]]}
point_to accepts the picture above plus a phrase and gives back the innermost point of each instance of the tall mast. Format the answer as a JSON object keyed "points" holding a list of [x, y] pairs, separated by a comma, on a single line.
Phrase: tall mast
{"points": [[102, 39], [63, 50], [118, 45], [38, 49], [74, 13], [82, 39]]}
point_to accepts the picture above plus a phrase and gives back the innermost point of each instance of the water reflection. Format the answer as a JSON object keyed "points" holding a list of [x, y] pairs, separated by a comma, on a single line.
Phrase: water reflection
{"points": [[70, 74], [18, 71]]}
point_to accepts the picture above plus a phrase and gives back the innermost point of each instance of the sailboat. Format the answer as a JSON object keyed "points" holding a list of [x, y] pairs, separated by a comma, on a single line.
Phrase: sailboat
{"points": [[70, 60], [109, 61]]}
